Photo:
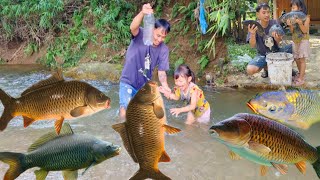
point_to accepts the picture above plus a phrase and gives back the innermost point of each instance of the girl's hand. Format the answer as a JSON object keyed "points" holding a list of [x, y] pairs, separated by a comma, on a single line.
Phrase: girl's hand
{"points": [[164, 91], [289, 22], [299, 21], [175, 111], [147, 9]]}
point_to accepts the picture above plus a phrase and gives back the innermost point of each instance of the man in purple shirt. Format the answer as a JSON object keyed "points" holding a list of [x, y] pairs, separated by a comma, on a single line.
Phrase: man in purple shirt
{"points": [[263, 44], [141, 60]]}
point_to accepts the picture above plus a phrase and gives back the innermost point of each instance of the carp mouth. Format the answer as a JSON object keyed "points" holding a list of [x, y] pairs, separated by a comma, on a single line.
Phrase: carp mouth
{"points": [[213, 133], [252, 108]]}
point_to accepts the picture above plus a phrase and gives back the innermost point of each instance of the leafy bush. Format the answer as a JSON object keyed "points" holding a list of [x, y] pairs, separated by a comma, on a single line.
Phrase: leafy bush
{"points": [[235, 50], [39, 22], [203, 61]]}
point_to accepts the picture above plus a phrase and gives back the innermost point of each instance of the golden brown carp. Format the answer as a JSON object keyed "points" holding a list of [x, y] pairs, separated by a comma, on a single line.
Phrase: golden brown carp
{"points": [[298, 108], [265, 142], [143, 131], [53, 98]]}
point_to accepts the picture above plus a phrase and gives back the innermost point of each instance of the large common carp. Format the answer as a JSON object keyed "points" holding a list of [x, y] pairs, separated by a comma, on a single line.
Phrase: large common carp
{"points": [[143, 131], [53, 98], [299, 108], [260, 30], [66, 152], [265, 142]]}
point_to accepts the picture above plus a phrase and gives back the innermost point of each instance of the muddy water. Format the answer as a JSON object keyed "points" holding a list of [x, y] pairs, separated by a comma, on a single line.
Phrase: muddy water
{"points": [[194, 154]]}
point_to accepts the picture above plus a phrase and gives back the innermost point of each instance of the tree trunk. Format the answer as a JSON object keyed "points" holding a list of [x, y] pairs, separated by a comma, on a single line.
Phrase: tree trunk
{"points": [[262, 1]]}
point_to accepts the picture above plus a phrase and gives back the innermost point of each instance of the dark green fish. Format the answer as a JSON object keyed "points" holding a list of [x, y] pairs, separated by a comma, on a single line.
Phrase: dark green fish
{"points": [[66, 152], [277, 29], [292, 16], [260, 30], [299, 108], [265, 142]]}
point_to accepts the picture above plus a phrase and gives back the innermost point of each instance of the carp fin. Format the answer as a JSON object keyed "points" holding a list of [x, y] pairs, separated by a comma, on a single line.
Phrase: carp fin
{"points": [[302, 125], [170, 129], [158, 111], [56, 77], [259, 148], [14, 160], [282, 168], [263, 170], [301, 166], [121, 129], [27, 121], [78, 111], [58, 125], [65, 130], [41, 174], [92, 164], [234, 156], [70, 175], [164, 157], [152, 174], [7, 102]]}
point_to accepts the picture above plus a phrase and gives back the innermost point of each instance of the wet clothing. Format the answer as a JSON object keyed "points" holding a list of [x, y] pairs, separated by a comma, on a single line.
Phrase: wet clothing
{"points": [[141, 60], [126, 93], [202, 104]]}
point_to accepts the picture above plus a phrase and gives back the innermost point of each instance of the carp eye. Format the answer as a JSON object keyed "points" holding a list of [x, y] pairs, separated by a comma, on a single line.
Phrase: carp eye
{"points": [[272, 108]]}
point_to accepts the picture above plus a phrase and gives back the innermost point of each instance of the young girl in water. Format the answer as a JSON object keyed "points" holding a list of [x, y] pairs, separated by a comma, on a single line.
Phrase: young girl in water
{"points": [[198, 107], [300, 38]]}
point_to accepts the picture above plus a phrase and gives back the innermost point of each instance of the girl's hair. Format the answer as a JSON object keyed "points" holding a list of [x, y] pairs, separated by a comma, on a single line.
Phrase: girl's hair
{"points": [[185, 71], [300, 4]]}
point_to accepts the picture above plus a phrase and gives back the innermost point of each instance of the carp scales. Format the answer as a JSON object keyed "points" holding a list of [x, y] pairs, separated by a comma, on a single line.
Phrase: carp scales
{"points": [[298, 108], [53, 98], [143, 131], [66, 152], [277, 29], [292, 16], [265, 142], [260, 30]]}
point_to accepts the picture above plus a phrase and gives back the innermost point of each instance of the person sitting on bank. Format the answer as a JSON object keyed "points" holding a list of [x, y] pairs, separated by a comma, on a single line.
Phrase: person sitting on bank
{"points": [[260, 43]]}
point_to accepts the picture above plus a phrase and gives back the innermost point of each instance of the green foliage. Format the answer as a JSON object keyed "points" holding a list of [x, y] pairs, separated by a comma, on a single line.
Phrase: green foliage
{"points": [[2, 61], [178, 62], [235, 50], [203, 61], [224, 17], [31, 48], [187, 15], [30, 20], [34, 21]]}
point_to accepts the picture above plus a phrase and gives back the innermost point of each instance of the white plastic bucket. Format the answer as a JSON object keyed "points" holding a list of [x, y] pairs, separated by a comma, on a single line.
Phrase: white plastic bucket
{"points": [[280, 68]]}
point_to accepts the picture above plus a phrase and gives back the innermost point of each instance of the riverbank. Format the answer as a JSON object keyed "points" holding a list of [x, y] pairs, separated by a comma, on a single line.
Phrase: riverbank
{"points": [[312, 79], [112, 72]]}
